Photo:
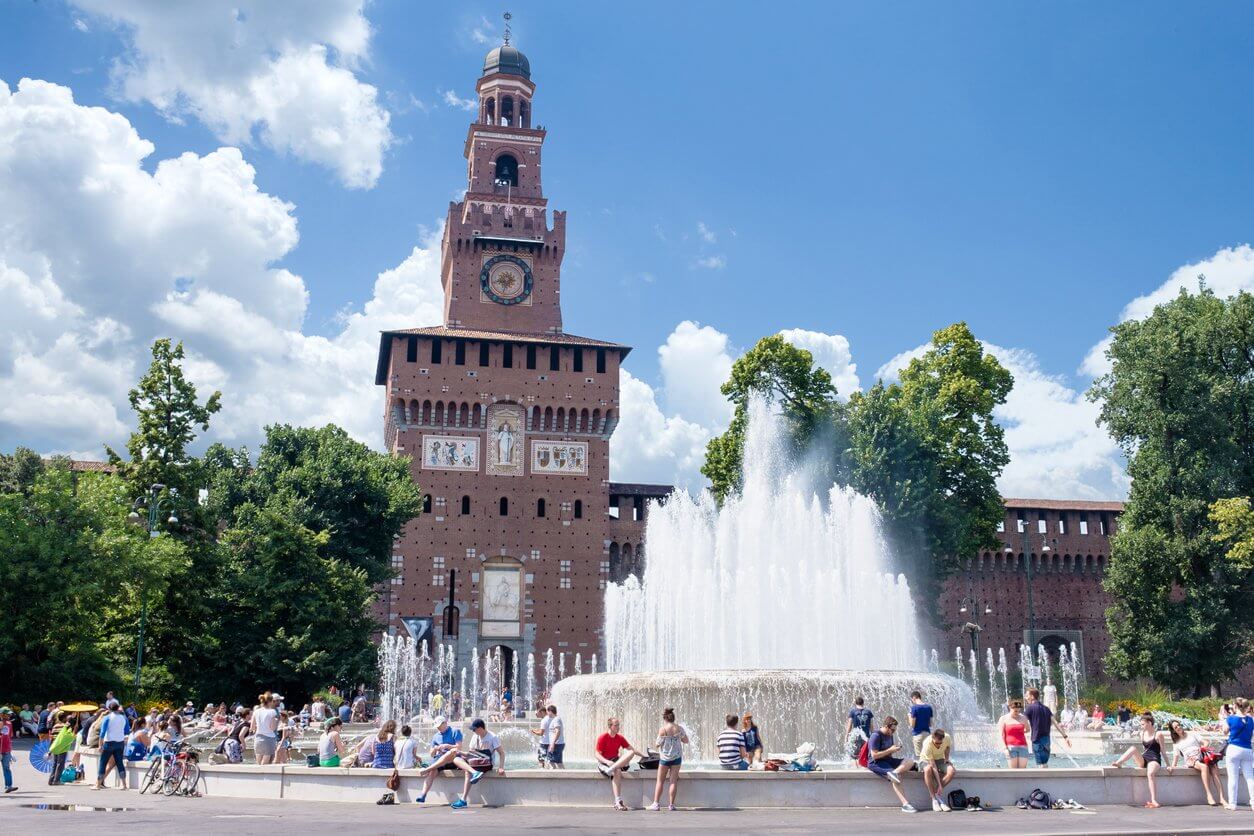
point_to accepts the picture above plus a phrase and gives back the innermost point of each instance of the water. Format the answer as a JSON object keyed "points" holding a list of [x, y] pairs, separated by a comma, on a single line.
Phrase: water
{"points": [[737, 586], [531, 684], [782, 601]]}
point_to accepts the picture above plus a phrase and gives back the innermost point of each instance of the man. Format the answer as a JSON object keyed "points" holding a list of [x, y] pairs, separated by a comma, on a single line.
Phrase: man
{"points": [[731, 746], [445, 750], [1041, 719], [611, 760], [938, 767], [859, 718], [920, 721], [542, 731], [114, 727], [883, 761], [6, 748], [556, 737], [132, 713], [1124, 715], [345, 713], [28, 722], [483, 745], [265, 727], [45, 714]]}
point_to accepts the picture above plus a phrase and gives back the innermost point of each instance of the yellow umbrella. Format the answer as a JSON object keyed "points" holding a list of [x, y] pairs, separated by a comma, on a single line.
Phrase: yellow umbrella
{"points": [[79, 706]]}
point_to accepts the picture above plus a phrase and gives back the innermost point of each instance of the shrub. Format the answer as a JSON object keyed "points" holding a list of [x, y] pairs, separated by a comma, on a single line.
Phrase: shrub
{"points": [[334, 701]]}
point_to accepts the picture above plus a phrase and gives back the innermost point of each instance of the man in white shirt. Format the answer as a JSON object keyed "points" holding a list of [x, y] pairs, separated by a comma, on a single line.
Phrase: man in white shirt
{"points": [[265, 727], [114, 728], [557, 738], [486, 745]]}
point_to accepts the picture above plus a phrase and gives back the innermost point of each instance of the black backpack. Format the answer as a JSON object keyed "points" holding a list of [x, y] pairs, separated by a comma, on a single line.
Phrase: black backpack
{"points": [[1038, 799], [957, 800]]}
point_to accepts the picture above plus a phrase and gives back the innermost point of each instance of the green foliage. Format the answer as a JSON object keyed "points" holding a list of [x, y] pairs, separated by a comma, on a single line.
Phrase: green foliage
{"points": [[333, 701], [1234, 522], [1180, 401], [1203, 708], [19, 470]]}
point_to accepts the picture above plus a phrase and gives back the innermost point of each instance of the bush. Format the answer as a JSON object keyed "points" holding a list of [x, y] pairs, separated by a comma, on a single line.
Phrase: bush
{"points": [[334, 701], [1203, 709]]}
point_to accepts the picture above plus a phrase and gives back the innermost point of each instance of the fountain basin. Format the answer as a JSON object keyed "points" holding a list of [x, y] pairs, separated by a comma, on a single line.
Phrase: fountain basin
{"points": [[790, 706]]}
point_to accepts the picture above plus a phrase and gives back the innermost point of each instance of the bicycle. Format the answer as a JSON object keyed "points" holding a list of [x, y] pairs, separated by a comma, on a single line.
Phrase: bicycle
{"points": [[174, 770]]}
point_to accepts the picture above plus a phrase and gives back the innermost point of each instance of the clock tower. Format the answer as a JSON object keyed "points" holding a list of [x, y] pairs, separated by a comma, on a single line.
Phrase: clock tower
{"points": [[501, 259]]}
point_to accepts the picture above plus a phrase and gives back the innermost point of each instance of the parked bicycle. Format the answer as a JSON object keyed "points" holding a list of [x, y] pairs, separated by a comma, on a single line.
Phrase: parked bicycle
{"points": [[175, 770]]}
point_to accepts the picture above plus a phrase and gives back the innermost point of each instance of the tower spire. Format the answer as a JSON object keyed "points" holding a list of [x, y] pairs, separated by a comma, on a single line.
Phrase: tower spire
{"points": [[508, 18]]}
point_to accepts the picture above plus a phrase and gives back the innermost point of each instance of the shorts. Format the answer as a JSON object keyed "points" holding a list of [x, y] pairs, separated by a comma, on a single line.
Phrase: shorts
{"points": [[673, 762], [883, 766], [919, 739], [940, 765], [1019, 752], [738, 766], [556, 755], [265, 747], [334, 760], [1040, 748]]}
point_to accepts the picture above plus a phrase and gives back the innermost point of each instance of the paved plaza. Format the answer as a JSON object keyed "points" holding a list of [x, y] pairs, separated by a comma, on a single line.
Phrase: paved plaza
{"points": [[36, 808]]}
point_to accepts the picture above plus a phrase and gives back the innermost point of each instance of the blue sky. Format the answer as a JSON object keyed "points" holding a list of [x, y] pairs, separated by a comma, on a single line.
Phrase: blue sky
{"points": [[872, 171]]}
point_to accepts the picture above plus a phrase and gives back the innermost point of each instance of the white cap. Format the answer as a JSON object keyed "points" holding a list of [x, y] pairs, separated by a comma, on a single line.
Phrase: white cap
{"points": [[439, 721]]}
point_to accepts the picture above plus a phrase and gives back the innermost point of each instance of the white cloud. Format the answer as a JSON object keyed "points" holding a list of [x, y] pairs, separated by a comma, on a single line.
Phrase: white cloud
{"points": [[453, 100], [649, 446], [81, 25], [707, 234], [481, 33], [712, 262], [1227, 272], [1057, 450], [255, 70], [830, 352], [695, 362], [197, 243]]}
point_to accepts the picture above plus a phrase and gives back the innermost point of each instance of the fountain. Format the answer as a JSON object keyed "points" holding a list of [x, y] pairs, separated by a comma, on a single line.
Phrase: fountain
{"points": [[777, 602]]}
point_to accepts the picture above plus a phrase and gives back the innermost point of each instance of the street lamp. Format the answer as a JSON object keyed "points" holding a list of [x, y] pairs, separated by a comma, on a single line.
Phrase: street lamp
{"points": [[152, 504], [973, 609], [1028, 558]]}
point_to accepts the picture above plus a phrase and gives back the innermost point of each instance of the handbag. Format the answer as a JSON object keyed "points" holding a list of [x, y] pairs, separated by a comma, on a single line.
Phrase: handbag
{"points": [[650, 761], [394, 780]]}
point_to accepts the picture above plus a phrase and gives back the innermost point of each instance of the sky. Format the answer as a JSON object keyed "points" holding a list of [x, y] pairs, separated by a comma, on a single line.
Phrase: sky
{"points": [[269, 186]]}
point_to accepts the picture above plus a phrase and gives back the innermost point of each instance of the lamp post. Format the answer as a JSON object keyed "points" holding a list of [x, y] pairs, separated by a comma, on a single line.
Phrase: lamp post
{"points": [[1028, 558], [152, 504], [973, 609]]}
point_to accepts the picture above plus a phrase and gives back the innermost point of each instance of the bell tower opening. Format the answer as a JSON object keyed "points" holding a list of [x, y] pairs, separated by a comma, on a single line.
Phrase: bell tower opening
{"points": [[506, 170]]}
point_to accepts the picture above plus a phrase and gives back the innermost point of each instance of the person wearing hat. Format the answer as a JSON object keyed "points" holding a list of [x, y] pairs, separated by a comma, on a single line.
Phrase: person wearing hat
{"points": [[6, 747], [445, 750]]}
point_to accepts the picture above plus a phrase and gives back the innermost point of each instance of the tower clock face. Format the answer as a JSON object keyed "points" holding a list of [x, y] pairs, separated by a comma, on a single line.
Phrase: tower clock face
{"points": [[506, 279]]}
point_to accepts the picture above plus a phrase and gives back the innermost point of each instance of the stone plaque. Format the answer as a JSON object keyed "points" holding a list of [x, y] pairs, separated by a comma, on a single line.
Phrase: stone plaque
{"points": [[502, 592], [450, 452], [560, 457]]}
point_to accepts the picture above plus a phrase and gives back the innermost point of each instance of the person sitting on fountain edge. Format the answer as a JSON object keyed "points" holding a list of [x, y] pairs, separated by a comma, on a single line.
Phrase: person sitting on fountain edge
{"points": [[445, 751], [731, 746], [611, 761], [883, 761], [938, 767]]}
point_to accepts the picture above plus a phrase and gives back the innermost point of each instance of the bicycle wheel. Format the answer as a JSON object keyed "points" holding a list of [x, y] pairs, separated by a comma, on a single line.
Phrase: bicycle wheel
{"points": [[153, 776], [173, 777], [191, 778]]}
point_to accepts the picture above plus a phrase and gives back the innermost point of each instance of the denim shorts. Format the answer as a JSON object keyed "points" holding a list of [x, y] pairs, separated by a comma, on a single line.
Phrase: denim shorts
{"points": [[1019, 752], [739, 765], [675, 762], [1040, 748]]}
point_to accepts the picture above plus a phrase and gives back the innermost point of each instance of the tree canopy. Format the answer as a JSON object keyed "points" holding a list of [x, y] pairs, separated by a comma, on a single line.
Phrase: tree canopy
{"points": [[1179, 399]]}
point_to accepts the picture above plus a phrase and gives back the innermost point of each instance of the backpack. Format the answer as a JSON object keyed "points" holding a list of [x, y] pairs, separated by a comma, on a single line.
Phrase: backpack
{"points": [[1038, 799], [957, 800], [864, 755]]}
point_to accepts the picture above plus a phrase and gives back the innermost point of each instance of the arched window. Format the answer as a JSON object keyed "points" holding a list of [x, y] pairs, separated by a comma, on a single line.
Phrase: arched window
{"points": [[426, 503], [539, 507], [506, 170], [579, 509], [426, 412], [452, 621], [489, 111], [463, 418], [465, 505], [507, 112], [504, 506]]}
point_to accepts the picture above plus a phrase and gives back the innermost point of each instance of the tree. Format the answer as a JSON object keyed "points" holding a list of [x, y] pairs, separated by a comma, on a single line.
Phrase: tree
{"points": [[1234, 521], [785, 375], [1179, 399]]}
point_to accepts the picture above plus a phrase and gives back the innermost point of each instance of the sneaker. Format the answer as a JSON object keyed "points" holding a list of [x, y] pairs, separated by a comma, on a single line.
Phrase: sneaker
{"points": [[420, 799], [474, 779], [8, 790], [908, 808], [670, 807], [892, 776], [458, 804], [936, 805], [604, 770], [945, 808], [619, 804], [655, 808]]}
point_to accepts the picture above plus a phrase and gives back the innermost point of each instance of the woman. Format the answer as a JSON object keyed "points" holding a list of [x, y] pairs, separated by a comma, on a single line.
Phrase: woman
{"points": [[285, 732], [1240, 755], [1149, 757], [1099, 718], [1014, 729], [670, 749], [385, 747], [220, 719], [64, 732], [137, 742], [753, 738], [1188, 745], [330, 745], [233, 746]]}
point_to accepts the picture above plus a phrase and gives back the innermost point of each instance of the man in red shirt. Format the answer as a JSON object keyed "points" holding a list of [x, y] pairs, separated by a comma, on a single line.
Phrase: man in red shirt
{"points": [[6, 747], [611, 760]]}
